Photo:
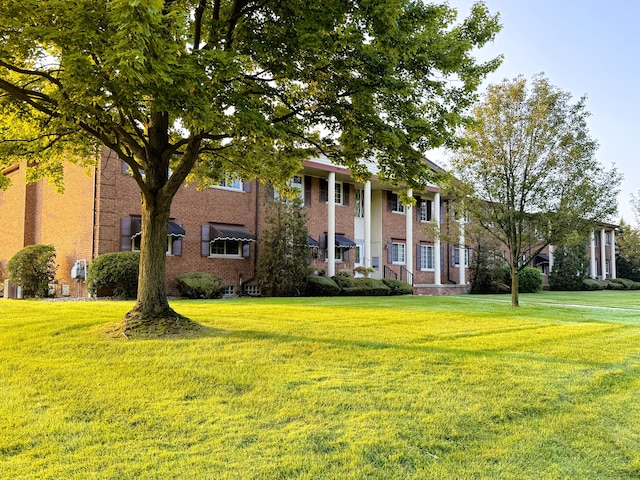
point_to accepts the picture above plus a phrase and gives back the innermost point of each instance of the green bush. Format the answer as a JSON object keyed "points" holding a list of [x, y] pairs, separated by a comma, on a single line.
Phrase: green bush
{"points": [[321, 287], [33, 268], [398, 287], [592, 284], [627, 284], [199, 285], [361, 286], [529, 279], [114, 274]]}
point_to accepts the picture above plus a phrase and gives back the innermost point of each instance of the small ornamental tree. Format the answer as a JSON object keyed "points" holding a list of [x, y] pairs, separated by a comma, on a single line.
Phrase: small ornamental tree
{"points": [[283, 257], [628, 258], [34, 268], [570, 265]]}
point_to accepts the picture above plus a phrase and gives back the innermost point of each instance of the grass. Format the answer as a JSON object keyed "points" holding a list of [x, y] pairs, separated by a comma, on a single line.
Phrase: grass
{"points": [[350, 388]]}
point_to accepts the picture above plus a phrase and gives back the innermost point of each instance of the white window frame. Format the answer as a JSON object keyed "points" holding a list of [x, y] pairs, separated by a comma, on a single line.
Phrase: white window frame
{"points": [[229, 183], [225, 255], [426, 258], [136, 239], [338, 193], [358, 207], [398, 207], [607, 267], [456, 257], [426, 214], [398, 253], [607, 239]]}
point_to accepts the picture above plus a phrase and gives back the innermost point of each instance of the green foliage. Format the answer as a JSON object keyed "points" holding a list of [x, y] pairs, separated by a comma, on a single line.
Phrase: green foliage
{"points": [[208, 89], [529, 174], [486, 270], [569, 267], [283, 260], [365, 287], [199, 285], [597, 284], [33, 268], [321, 287], [114, 274], [628, 257], [398, 287], [529, 279], [627, 283]]}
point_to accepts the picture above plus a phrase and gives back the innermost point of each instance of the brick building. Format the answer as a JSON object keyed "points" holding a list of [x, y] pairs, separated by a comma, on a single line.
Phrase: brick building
{"points": [[217, 230]]}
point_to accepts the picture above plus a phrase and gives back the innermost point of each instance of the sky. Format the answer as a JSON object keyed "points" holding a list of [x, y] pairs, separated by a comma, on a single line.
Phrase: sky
{"points": [[587, 48]]}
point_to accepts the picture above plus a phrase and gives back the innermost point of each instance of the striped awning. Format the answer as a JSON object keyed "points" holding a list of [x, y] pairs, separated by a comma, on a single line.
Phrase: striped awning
{"points": [[231, 232], [312, 242], [344, 242]]}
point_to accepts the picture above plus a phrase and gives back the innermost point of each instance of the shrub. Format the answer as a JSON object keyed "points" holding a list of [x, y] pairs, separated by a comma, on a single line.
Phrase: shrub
{"points": [[530, 280], [199, 285], [33, 268], [114, 274], [361, 286], [627, 284], [398, 287], [321, 287], [593, 284]]}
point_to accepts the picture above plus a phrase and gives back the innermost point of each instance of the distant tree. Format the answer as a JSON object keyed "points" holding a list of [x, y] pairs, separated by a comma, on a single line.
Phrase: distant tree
{"points": [[34, 268], [283, 260], [246, 88], [529, 175], [628, 257], [570, 263]]}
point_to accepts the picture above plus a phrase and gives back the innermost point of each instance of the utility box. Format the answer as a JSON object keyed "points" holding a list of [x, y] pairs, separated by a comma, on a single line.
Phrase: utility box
{"points": [[9, 290]]}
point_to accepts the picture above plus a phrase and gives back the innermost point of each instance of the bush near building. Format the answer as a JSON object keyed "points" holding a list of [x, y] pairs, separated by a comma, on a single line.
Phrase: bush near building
{"points": [[34, 268], [114, 274], [530, 279], [199, 285], [321, 287]]}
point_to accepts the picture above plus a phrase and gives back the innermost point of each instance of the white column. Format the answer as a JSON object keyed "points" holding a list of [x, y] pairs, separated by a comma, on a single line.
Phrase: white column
{"points": [[551, 249], [409, 235], [367, 223], [613, 254], [594, 270], [437, 274], [331, 225], [462, 277], [603, 255]]}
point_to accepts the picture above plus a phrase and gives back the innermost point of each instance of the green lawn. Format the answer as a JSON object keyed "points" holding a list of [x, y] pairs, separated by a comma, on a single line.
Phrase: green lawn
{"points": [[334, 388]]}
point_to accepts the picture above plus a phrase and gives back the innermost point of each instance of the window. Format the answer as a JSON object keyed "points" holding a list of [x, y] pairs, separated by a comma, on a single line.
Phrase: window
{"points": [[425, 210], [398, 253], [225, 248], [338, 193], [339, 254], [427, 257], [252, 290], [607, 267], [456, 256], [358, 209], [607, 239], [229, 291], [229, 183], [396, 204]]}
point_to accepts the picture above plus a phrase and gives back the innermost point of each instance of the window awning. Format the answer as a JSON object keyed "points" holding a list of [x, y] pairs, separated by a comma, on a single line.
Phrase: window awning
{"points": [[541, 259], [311, 242], [173, 229], [344, 242], [231, 232]]}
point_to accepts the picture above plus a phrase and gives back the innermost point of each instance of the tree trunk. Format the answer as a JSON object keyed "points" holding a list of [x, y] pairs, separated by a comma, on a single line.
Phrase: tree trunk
{"points": [[515, 285]]}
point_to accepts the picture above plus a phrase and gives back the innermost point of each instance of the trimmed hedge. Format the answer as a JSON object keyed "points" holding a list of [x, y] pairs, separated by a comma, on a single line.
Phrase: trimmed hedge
{"points": [[366, 287], [398, 287], [321, 287], [199, 285], [592, 284], [114, 274]]}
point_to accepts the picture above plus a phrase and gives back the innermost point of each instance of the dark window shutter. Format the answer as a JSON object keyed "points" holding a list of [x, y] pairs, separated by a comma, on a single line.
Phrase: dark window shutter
{"points": [[391, 203], [417, 208], [125, 234], [307, 190], [205, 246], [246, 250], [246, 186], [324, 187], [323, 246], [429, 210], [418, 257], [345, 194], [177, 246], [389, 252], [441, 259], [269, 192]]}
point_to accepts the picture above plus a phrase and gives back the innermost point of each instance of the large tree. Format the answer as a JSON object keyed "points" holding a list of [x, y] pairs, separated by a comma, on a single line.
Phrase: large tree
{"points": [[529, 175], [208, 88]]}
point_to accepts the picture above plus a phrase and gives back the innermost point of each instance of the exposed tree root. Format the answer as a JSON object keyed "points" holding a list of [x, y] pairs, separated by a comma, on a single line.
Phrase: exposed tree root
{"points": [[138, 326]]}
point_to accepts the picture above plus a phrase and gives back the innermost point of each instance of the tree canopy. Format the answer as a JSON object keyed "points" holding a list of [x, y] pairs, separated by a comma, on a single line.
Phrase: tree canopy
{"points": [[529, 175], [199, 89]]}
